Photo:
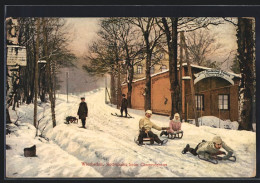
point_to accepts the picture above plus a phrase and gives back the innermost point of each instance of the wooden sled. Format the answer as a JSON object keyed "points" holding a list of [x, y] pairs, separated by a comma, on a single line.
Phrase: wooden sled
{"points": [[148, 141], [178, 135]]}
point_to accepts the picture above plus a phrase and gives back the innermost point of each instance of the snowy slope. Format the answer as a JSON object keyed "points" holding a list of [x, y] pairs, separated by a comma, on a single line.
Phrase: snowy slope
{"points": [[106, 148]]}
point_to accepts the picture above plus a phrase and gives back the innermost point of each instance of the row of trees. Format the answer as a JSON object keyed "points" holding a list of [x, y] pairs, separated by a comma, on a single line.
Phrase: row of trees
{"points": [[133, 39], [46, 43]]}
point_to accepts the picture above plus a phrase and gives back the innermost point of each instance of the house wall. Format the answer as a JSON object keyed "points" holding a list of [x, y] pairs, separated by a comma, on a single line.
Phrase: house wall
{"points": [[161, 96], [210, 88]]}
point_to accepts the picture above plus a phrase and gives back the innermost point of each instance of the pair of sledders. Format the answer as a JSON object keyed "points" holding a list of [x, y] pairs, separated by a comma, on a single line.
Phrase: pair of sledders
{"points": [[179, 135], [150, 140]]}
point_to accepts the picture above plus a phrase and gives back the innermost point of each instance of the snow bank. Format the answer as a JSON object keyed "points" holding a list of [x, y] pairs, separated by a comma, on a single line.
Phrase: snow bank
{"points": [[107, 148], [215, 122]]}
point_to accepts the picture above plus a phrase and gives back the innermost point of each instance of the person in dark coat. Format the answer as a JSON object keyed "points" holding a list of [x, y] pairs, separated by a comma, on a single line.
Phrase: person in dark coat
{"points": [[124, 105], [83, 111]]}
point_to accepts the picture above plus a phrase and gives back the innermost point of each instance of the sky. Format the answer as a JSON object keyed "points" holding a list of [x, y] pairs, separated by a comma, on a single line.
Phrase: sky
{"points": [[84, 30]]}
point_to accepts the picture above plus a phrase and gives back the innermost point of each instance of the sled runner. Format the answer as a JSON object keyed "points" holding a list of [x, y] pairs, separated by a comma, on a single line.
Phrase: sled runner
{"points": [[149, 141], [117, 115], [218, 158], [178, 135]]}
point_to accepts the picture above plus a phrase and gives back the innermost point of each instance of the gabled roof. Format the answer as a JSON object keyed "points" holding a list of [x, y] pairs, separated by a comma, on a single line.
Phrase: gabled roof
{"points": [[208, 68]]}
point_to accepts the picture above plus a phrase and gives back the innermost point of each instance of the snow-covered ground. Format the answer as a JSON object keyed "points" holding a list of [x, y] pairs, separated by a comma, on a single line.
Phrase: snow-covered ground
{"points": [[106, 148]]}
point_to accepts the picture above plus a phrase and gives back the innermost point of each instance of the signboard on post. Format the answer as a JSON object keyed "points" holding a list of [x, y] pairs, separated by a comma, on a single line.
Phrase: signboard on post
{"points": [[214, 73], [16, 55]]}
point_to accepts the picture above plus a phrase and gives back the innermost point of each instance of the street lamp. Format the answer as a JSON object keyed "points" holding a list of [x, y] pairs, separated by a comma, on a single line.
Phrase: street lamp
{"points": [[67, 79]]}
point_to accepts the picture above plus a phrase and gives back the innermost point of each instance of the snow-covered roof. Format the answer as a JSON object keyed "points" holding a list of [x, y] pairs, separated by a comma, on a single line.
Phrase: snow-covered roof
{"points": [[185, 77], [208, 68], [158, 73]]}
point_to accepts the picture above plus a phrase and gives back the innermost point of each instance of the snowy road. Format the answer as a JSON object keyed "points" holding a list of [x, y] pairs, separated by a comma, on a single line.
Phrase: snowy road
{"points": [[106, 148]]}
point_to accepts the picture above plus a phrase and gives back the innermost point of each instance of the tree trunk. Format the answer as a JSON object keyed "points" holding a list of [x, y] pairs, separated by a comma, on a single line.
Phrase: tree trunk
{"points": [[119, 92], [191, 81], [36, 72], [245, 43], [180, 83], [43, 85], [52, 95], [148, 105], [129, 85], [49, 74], [174, 81], [171, 37], [112, 87], [8, 119], [148, 82]]}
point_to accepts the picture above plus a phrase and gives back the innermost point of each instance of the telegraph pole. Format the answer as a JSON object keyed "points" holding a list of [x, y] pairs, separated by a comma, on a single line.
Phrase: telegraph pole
{"points": [[67, 79], [105, 89]]}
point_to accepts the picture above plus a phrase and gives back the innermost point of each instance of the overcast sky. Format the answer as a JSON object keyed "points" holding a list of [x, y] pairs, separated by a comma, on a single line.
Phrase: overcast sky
{"points": [[83, 32]]}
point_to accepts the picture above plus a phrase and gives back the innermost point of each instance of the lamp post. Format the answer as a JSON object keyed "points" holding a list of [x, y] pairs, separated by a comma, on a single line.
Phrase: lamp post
{"points": [[67, 81], [105, 89]]}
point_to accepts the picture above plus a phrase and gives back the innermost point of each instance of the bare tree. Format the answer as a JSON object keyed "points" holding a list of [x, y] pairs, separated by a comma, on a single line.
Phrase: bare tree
{"points": [[151, 35], [201, 44], [132, 48], [169, 27], [36, 72]]}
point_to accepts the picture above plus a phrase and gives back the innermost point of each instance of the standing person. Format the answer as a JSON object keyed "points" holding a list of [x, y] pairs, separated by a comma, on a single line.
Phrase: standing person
{"points": [[145, 126], [83, 111], [124, 105], [210, 149], [16, 95], [174, 125]]}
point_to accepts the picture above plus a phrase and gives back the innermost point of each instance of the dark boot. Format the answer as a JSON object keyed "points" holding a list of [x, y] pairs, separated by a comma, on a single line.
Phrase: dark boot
{"points": [[163, 133], [186, 149]]}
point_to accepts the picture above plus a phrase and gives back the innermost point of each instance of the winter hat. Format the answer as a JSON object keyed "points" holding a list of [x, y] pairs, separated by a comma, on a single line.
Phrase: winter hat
{"points": [[176, 114], [148, 112], [217, 140], [176, 120]]}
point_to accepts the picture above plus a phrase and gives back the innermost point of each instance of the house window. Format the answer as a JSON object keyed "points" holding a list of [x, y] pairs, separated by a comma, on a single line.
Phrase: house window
{"points": [[164, 68], [199, 102], [152, 70], [139, 69], [223, 101]]}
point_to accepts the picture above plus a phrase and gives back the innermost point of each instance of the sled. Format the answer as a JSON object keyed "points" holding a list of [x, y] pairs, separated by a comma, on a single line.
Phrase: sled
{"points": [[213, 160], [71, 119], [148, 141], [117, 115], [218, 158], [174, 135]]}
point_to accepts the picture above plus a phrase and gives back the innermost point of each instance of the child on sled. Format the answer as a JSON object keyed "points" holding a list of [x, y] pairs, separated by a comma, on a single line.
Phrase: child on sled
{"points": [[174, 125]]}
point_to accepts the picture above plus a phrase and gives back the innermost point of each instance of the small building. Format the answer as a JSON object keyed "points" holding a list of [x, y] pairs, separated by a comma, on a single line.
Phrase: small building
{"points": [[216, 93]]}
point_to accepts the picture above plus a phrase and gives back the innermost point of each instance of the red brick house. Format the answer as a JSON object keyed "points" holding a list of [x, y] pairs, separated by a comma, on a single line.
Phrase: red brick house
{"points": [[216, 93]]}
